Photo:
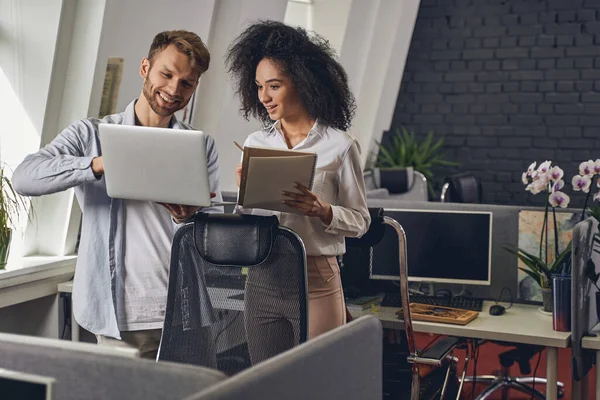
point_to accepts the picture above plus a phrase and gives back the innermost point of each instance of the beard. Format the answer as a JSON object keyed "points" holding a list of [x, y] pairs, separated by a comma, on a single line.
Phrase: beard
{"points": [[153, 102]]}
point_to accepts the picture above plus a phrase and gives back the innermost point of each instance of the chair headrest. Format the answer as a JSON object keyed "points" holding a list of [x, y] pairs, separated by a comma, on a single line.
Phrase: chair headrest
{"points": [[395, 180], [374, 234], [231, 239], [464, 188]]}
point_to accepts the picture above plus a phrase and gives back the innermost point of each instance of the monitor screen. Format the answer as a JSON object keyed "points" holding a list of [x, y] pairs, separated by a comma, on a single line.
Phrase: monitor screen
{"points": [[442, 246], [18, 385]]}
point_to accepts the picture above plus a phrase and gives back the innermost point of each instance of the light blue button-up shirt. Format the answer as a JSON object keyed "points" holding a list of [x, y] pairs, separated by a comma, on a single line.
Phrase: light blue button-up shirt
{"points": [[66, 163]]}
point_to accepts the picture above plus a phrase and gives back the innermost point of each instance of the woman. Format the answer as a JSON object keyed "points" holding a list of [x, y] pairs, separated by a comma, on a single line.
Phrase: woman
{"points": [[291, 82]]}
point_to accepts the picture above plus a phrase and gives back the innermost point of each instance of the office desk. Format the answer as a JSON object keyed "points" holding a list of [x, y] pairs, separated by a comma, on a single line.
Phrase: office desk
{"points": [[520, 324], [593, 343]]}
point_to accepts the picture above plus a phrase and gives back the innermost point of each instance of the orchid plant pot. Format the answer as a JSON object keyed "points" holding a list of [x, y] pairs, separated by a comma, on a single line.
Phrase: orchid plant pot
{"points": [[547, 299]]}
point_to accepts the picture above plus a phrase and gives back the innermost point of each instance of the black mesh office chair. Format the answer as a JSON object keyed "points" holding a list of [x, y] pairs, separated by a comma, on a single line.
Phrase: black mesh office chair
{"points": [[237, 292], [404, 365], [462, 188]]}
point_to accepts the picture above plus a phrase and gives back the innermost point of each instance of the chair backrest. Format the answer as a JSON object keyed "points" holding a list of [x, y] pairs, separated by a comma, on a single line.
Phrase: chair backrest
{"points": [[235, 283], [344, 363], [89, 371], [583, 294], [462, 188]]}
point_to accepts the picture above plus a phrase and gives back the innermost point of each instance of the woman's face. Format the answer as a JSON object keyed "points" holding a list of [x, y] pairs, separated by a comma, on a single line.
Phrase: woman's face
{"points": [[276, 92]]}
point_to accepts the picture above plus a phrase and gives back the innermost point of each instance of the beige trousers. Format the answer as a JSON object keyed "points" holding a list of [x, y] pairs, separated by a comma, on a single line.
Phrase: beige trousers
{"points": [[146, 342], [326, 307]]}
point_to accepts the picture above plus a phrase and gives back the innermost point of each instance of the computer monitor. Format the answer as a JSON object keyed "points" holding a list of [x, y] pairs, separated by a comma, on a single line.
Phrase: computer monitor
{"points": [[19, 385], [443, 246]]}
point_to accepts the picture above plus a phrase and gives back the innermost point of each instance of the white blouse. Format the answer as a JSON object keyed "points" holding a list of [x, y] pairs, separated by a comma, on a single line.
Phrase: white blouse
{"points": [[338, 181]]}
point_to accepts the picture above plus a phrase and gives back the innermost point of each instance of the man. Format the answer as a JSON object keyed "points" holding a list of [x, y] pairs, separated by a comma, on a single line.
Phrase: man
{"points": [[120, 286]]}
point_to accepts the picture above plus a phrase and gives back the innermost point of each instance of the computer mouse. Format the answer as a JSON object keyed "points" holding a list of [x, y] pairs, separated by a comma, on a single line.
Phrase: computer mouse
{"points": [[497, 309]]}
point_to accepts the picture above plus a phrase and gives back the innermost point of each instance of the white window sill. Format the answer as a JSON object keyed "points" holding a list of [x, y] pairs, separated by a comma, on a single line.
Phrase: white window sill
{"points": [[33, 268]]}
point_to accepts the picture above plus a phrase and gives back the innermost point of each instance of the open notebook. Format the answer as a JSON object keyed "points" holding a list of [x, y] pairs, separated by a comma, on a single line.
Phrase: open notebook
{"points": [[266, 172]]}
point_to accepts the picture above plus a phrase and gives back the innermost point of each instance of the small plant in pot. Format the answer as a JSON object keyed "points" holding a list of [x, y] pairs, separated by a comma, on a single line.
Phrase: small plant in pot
{"points": [[12, 206], [403, 150]]}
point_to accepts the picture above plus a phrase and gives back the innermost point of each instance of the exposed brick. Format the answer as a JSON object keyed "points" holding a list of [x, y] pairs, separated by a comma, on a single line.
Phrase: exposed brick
{"points": [[515, 142], [510, 65], [478, 54], [512, 53], [565, 63], [565, 86], [562, 74], [527, 86], [590, 97], [459, 76], [547, 64], [527, 75], [562, 97], [505, 82]]}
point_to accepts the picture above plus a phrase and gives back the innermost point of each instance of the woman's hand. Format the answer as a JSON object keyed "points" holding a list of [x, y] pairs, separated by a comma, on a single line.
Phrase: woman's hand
{"points": [[238, 174], [309, 204]]}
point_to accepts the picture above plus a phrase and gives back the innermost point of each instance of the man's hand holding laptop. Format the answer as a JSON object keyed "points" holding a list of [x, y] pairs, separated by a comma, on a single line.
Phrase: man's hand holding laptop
{"points": [[180, 213]]}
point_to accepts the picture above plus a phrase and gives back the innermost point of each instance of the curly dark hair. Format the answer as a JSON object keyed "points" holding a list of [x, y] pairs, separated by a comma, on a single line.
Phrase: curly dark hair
{"points": [[309, 60]]}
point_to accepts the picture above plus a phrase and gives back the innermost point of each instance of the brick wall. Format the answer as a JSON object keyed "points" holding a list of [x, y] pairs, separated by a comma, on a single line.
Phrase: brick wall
{"points": [[506, 82]]}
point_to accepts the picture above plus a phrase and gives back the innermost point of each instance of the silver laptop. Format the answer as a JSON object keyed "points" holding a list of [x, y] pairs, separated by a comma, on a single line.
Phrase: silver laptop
{"points": [[155, 164], [19, 385]]}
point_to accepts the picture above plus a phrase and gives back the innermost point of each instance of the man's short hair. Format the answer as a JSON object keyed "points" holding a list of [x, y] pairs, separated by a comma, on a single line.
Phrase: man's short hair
{"points": [[186, 42]]}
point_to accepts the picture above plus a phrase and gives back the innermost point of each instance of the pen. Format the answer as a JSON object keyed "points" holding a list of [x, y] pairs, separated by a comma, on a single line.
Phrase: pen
{"points": [[238, 145]]}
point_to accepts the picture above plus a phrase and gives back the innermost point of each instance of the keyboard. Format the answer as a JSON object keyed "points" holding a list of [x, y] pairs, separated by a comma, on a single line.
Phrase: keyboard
{"points": [[463, 303]]}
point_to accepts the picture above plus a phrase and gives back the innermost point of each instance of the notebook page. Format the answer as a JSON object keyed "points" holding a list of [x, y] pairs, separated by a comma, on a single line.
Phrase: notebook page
{"points": [[268, 176]]}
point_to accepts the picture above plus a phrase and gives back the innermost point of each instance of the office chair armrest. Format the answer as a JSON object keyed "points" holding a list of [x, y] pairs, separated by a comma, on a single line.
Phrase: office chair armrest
{"points": [[437, 353]]}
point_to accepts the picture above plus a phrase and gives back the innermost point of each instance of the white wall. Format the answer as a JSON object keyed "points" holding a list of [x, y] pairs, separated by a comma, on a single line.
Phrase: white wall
{"points": [[330, 19], [216, 110], [127, 31], [374, 52], [29, 34]]}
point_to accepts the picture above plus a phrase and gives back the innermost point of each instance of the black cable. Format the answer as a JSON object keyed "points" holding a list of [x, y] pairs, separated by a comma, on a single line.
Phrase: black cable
{"points": [[66, 314], [534, 373], [227, 326], [500, 297]]}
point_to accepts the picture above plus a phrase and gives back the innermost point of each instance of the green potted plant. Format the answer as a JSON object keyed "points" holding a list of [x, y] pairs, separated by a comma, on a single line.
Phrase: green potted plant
{"points": [[12, 205], [403, 150]]}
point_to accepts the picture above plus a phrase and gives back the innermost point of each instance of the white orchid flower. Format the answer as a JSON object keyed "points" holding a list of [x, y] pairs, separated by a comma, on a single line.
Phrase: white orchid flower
{"points": [[597, 166], [524, 178], [544, 167], [531, 168], [581, 182], [559, 199], [537, 186], [533, 189], [556, 173], [559, 184], [586, 168]]}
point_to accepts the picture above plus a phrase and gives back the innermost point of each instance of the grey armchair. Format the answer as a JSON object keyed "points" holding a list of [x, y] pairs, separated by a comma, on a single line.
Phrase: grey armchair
{"points": [[412, 187]]}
